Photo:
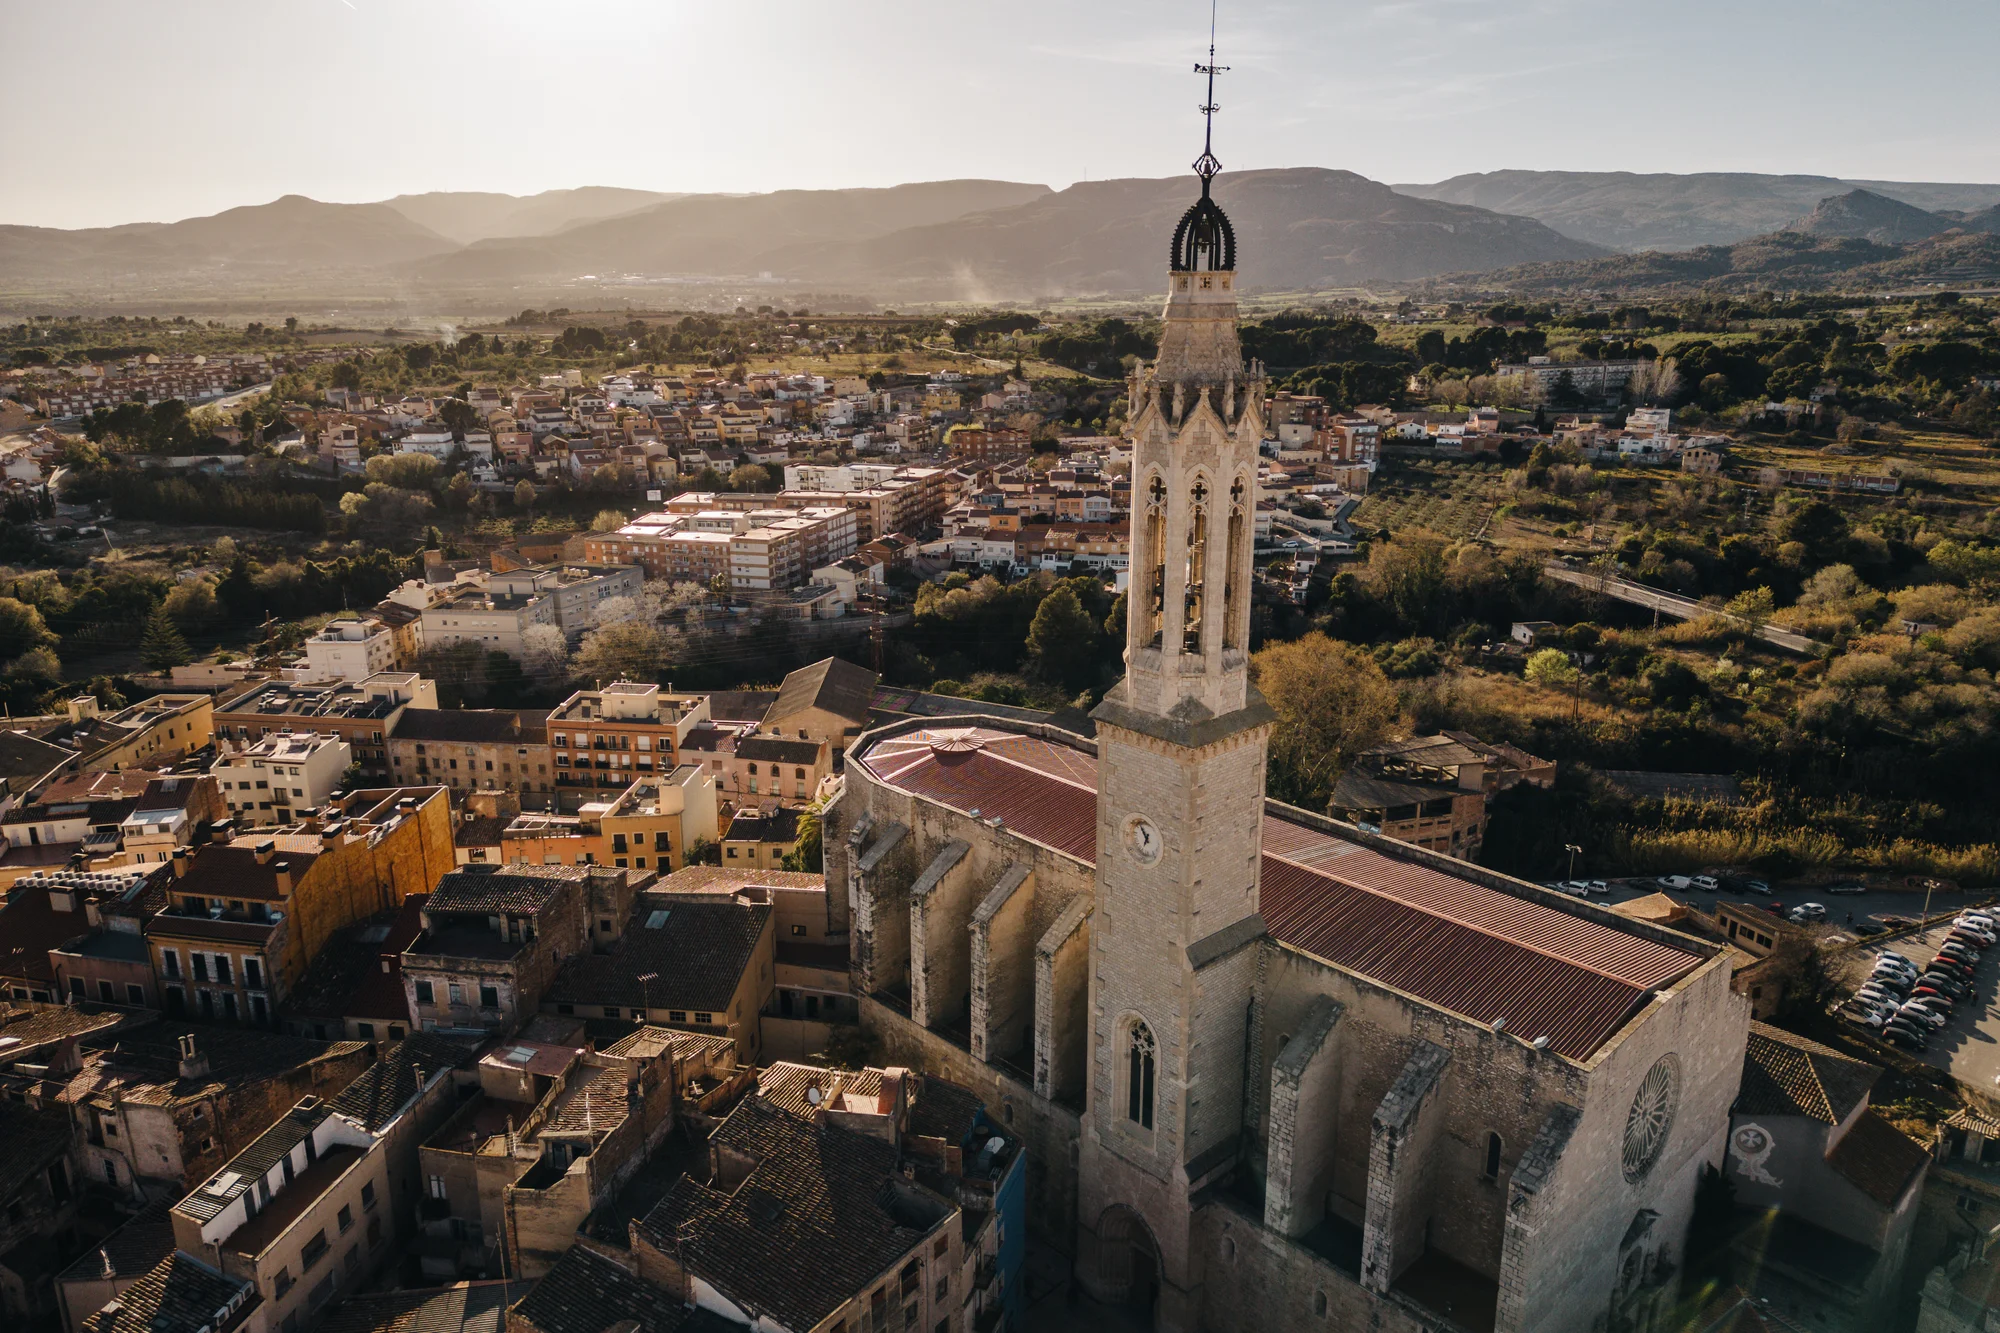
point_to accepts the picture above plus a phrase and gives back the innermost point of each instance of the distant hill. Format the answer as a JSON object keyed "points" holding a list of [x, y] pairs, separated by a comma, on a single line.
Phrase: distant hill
{"points": [[1865, 215], [716, 234], [466, 216], [1631, 211], [1298, 227], [286, 237], [1781, 260]]}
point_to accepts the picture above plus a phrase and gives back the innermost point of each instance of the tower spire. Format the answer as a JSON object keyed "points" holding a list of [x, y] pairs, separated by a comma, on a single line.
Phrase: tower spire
{"points": [[1206, 166]]}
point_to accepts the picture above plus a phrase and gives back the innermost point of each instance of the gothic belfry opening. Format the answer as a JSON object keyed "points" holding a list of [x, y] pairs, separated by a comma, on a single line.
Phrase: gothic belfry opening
{"points": [[1197, 567]]}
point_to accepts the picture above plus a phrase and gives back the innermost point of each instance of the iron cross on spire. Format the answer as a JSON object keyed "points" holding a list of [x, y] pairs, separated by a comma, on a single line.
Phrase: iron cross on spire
{"points": [[1206, 166]]}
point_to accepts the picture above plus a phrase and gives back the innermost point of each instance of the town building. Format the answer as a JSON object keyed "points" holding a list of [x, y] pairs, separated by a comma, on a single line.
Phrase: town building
{"points": [[287, 771], [494, 937], [760, 837], [246, 915], [603, 740], [651, 825], [362, 714], [765, 768], [828, 702], [1432, 790], [475, 750], [501, 615], [157, 1105], [349, 649], [1838, 1187], [354, 987], [698, 963], [149, 734]]}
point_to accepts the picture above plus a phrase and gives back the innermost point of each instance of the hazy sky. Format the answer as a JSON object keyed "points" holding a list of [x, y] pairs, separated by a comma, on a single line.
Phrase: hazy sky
{"points": [[129, 110]]}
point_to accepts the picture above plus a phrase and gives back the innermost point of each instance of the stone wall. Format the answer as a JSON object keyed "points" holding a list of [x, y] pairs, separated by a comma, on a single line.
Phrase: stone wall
{"points": [[1003, 969]]}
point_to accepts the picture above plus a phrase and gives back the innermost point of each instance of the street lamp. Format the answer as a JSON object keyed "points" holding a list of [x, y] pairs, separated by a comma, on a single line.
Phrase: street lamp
{"points": [[1574, 851], [646, 980]]}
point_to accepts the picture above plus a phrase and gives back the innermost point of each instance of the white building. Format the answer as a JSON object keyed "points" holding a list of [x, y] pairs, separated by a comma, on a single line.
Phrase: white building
{"points": [[348, 650], [282, 775], [501, 614]]}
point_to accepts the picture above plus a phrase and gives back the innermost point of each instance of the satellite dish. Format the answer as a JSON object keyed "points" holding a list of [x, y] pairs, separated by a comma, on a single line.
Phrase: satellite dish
{"points": [[994, 1145], [813, 1096]]}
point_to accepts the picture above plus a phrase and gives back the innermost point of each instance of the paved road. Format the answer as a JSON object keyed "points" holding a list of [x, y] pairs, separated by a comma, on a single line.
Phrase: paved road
{"points": [[1670, 604], [1865, 907], [234, 400]]}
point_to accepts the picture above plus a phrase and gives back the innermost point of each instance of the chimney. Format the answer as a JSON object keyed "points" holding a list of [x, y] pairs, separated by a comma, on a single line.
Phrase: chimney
{"points": [[265, 850], [83, 708], [61, 899], [63, 1060], [281, 872], [193, 1063], [180, 862]]}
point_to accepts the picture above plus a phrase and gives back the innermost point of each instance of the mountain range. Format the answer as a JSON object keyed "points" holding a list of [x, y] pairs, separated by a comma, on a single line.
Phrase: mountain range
{"points": [[1301, 227], [1858, 239], [1625, 210]]}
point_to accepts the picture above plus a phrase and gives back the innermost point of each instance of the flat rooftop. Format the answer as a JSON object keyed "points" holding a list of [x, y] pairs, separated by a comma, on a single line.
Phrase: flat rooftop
{"points": [[1457, 942]]}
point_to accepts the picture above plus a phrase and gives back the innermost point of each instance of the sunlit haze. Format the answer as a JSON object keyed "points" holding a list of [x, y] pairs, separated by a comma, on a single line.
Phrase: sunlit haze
{"points": [[134, 111]]}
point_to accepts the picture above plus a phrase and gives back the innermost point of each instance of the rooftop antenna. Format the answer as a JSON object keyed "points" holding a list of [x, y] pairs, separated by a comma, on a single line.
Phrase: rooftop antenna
{"points": [[1206, 166]]}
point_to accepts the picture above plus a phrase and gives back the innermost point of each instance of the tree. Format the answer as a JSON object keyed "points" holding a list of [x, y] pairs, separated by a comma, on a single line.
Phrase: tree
{"points": [[607, 520], [410, 472], [163, 647], [21, 629], [621, 650], [459, 415], [1754, 608], [524, 494], [545, 653], [1550, 667], [1817, 526], [751, 477], [807, 855], [1062, 640], [192, 604], [386, 512], [1331, 701]]}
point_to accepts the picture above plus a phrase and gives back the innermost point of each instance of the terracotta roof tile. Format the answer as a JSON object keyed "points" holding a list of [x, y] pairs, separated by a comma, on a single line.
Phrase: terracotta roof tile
{"points": [[1784, 1074], [1878, 1159], [180, 1295]]}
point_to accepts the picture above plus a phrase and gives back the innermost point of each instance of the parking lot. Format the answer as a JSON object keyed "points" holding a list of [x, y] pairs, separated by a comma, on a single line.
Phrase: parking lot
{"points": [[1842, 909], [1968, 1045]]}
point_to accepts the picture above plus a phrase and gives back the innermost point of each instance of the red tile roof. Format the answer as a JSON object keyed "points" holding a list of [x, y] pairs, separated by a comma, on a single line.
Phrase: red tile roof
{"points": [[1478, 951]]}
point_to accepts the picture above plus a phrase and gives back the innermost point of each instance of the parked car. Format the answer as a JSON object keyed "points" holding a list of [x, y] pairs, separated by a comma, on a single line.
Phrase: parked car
{"points": [[1599, 886], [1756, 886], [1970, 931], [1890, 955], [1980, 919], [1958, 952], [1811, 911], [1675, 882], [1950, 984], [1895, 922], [1707, 883], [1922, 1015], [1934, 997], [1906, 1037], [1867, 928], [1846, 888], [1873, 1016]]}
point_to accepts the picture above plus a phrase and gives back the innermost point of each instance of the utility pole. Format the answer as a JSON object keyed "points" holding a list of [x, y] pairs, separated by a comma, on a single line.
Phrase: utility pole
{"points": [[1573, 851]]}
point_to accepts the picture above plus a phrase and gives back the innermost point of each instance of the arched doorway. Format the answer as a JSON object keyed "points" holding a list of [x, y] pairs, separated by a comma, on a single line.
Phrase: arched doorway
{"points": [[1128, 1261]]}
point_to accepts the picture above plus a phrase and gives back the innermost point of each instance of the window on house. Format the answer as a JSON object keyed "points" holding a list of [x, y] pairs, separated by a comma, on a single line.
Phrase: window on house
{"points": [[1493, 1157], [426, 994], [346, 1218], [315, 1249], [437, 1187], [456, 992], [489, 997], [281, 1282], [367, 1195], [253, 974], [200, 966]]}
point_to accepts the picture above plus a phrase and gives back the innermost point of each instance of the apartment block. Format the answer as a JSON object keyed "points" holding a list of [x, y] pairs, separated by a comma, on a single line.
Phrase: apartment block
{"points": [[601, 741], [361, 714], [474, 749], [290, 771], [349, 650], [246, 915], [651, 826], [493, 938]]}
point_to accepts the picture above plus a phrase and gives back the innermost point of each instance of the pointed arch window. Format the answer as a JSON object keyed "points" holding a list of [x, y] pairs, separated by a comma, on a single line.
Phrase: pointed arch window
{"points": [[1236, 565], [1141, 1059], [1195, 596], [1152, 602]]}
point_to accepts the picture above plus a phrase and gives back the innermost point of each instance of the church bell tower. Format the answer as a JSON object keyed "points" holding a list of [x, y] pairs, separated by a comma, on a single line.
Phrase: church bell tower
{"points": [[1181, 752]]}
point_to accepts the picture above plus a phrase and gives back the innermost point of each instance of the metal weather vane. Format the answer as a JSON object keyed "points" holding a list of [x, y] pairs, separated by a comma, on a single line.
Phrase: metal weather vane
{"points": [[1206, 166]]}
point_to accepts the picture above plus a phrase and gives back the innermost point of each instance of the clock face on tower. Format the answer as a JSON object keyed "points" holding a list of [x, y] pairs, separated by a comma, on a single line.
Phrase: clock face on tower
{"points": [[1143, 840]]}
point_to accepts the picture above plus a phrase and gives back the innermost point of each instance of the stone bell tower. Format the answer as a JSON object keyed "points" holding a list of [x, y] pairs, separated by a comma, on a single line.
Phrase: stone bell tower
{"points": [[1181, 749]]}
